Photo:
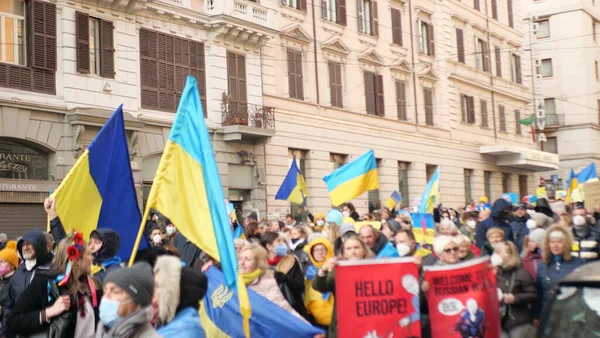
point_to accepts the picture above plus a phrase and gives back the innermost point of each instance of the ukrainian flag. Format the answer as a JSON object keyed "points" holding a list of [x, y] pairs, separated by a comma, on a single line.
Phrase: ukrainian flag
{"points": [[431, 194], [573, 194], [99, 192], [394, 199], [187, 190], [293, 188], [353, 179]]}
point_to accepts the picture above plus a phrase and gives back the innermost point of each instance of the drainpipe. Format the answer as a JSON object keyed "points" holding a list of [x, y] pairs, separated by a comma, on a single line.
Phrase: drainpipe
{"points": [[314, 22], [412, 48], [487, 26]]}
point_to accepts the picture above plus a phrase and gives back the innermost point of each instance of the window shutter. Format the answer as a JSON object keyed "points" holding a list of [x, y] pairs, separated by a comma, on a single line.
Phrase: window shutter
{"points": [[82, 34], [460, 45], [498, 62], [149, 66], [486, 57], [299, 76], [359, 15], [471, 109], [197, 68], [431, 40], [370, 92], [511, 21], [107, 51], [428, 96], [341, 12], [396, 26], [476, 4], [241, 60], [517, 125], [518, 68], [484, 115], [502, 117], [291, 74], [401, 100], [338, 81], [463, 108], [332, 87], [380, 105], [302, 5], [232, 77], [324, 9], [375, 9], [495, 9], [43, 34]]}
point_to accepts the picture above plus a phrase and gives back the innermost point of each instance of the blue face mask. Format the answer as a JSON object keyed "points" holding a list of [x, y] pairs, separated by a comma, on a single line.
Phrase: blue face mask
{"points": [[109, 312], [281, 250]]}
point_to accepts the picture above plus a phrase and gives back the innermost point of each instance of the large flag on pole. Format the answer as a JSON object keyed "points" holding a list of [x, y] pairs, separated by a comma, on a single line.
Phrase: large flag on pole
{"points": [[99, 191], [293, 188], [353, 179], [187, 189], [431, 194]]}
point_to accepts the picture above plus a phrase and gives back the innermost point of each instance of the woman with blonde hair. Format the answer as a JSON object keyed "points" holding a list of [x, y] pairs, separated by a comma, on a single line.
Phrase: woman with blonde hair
{"points": [[557, 262], [518, 291]]}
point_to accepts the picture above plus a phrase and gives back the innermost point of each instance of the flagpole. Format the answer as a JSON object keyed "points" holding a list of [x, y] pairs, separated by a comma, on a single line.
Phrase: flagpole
{"points": [[139, 235]]}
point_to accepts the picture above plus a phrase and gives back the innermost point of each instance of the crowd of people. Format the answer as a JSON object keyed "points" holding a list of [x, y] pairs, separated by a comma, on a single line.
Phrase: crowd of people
{"points": [[58, 283]]}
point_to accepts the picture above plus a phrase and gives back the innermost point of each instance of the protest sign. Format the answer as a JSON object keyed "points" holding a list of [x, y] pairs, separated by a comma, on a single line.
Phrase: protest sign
{"points": [[463, 301], [378, 298], [423, 227], [591, 194]]}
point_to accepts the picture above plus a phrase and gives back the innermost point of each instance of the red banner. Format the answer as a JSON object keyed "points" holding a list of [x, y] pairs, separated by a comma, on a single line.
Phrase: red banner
{"points": [[378, 298], [463, 301]]}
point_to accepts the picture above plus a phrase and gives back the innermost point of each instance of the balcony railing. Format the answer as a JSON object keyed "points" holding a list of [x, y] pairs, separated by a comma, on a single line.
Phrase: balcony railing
{"points": [[250, 11], [555, 120], [246, 114]]}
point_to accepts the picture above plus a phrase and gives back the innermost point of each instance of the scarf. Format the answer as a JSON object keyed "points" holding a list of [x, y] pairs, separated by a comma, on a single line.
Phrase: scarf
{"points": [[250, 277], [30, 264], [273, 261], [294, 245]]}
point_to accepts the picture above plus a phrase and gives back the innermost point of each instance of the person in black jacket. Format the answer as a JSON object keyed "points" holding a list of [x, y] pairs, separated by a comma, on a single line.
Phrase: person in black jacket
{"points": [[499, 218], [348, 210], [587, 239], [66, 287]]}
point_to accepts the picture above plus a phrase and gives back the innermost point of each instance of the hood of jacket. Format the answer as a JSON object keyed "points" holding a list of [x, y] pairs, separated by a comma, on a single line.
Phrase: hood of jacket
{"points": [[499, 206], [110, 244], [319, 240], [38, 239], [542, 206]]}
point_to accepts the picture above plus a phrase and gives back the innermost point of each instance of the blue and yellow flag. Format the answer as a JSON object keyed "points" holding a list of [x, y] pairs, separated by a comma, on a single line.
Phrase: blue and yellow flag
{"points": [[293, 188], [219, 310], [99, 191], [573, 194], [187, 190], [353, 179], [431, 194], [393, 200]]}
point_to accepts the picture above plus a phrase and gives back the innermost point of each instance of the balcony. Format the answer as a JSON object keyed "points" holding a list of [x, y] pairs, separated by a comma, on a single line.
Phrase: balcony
{"points": [[555, 120], [246, 10], [247, 122]]}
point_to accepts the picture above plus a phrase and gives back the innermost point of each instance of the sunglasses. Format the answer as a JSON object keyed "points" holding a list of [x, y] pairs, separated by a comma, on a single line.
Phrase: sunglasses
{"points": [[450, 250]]}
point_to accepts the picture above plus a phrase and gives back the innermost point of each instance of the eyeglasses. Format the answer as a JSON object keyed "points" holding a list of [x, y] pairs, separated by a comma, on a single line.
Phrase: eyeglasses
{"points": [[320, 250], [450, 250]]}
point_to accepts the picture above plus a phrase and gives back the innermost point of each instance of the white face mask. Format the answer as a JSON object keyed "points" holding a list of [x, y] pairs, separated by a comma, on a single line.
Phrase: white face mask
{"points": [[496, 260], [170, 230], [403, 249], [531, 224], [320, 222], [471, 224], [579, 221], [346, 213], [156, 239]]}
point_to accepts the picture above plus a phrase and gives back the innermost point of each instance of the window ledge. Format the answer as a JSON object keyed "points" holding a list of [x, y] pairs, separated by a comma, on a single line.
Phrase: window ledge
{"points": [[485, 128], [367, 39], [292, 13], [333, 27], [427, 58], [399, 50], [468, 124]]}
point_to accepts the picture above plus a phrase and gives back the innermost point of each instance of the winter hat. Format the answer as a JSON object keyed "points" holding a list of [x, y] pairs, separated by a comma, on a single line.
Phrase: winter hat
{"points": [[394, 225], [137, 281], [9, 254], [193, 286], [541, 220], [347, 228], [537, 235]]}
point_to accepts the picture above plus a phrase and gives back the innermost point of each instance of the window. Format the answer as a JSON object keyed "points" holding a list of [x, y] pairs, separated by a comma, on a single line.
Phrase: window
{"points": [[403, 181], [517, 124], [543, 30], [487, 184], [467, 104], [401, 100], [374, 93], [95, 49], [482, 56], [27, 48], [495, 9], [165, 61], [297, 210], [468, 173], [511, 19], [335, 84], [476, 5], [484, 113], [594, 30], [505, 183], [550, 106], [368, 17], [374, 199], [516, 68], [13, 33], [550, 145], [596, 70], [336, 161], [545, 69], [396, 26], [460, 45], [498, 53], [426, 38], [295, 78], [429, 171], [428, 99], [502, 117], [334, 11], [297, 4], [523, 185], [236, 85]]}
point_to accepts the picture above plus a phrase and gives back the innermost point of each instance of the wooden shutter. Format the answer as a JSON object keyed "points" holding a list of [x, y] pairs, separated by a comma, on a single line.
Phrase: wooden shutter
{"points": [[291, 73], [380, 105], [302, 5], [428, 98], [107, 50], [295, 77], [431, 40], [495, 9], [232, 82], [341, 12], [299, 76], [463, 108], [470, 109], [375, 21], [197, 67], [518, 68], [332, 94], [396, 26], [498, 61], [476, 4], [43, 34], [511, 21], [241, 73], [335, 84], [401, 100], [486, 57], [82, 34], [359, 15], [370, 92], [149, 69], [484, 113], [517, 124], [460, 45], [502, 117], [324, 9]]}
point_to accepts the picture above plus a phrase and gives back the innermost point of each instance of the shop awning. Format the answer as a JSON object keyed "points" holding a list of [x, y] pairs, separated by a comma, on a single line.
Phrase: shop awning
{"points": [[522, 158]]}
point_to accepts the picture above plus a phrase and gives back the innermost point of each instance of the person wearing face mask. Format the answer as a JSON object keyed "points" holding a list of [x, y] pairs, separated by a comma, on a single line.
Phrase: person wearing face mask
{"points": [[587, 239], [9, 261], [532, 255], [287, 271], [519, 225], [470, 223], [499, 218], [156, 236], [125, 309], [319, 222], [348, 210]]}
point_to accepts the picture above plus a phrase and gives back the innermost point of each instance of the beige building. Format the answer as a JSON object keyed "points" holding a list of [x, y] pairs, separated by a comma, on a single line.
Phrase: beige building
{"points": [[567, 81]]}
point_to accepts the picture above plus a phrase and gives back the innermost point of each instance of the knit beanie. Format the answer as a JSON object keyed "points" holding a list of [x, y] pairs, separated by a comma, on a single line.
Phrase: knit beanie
{"points": [[542, 220], [537, 235], [137, 281], [10, 255]]}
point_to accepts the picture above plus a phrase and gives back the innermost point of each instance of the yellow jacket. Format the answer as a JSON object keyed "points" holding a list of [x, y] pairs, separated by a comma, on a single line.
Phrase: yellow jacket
{"points": [[318, 305]]}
